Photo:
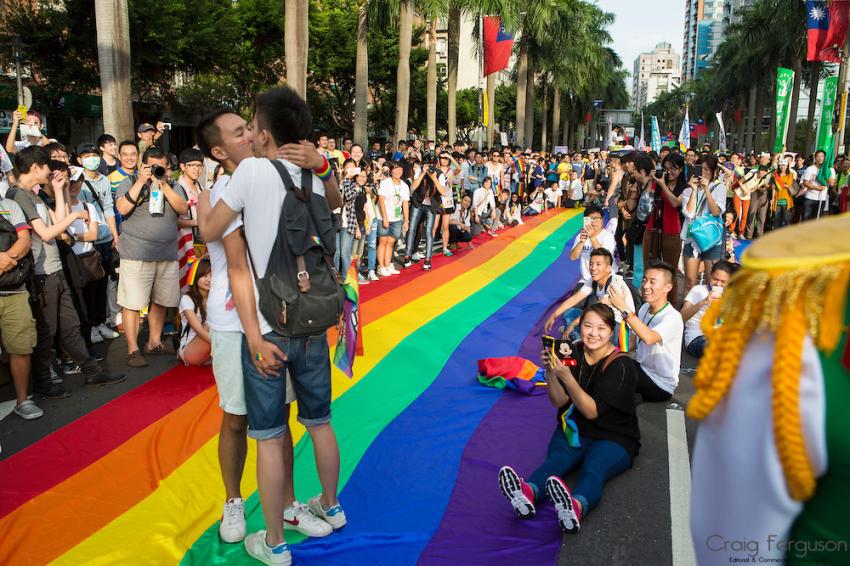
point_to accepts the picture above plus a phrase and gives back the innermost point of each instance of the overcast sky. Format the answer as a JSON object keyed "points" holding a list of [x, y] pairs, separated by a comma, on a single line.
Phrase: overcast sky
{"points": [[639, 25]]}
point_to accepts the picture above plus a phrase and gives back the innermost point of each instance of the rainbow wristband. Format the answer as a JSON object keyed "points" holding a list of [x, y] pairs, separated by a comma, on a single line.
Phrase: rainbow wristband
{"points": [[324, 172]]}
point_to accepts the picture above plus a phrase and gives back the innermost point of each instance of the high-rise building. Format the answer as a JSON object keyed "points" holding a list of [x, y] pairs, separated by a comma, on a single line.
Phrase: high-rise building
{"points": [[654, 73], [705, 26]]}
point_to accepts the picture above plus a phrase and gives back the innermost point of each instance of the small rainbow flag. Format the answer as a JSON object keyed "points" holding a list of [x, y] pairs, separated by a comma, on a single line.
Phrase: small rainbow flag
{"points": [[623, 337], [346, 344]]}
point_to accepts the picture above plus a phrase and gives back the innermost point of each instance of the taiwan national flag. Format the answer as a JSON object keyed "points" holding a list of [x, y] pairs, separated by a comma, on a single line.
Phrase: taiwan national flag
{"points": [[497, 45], [827, 29]]}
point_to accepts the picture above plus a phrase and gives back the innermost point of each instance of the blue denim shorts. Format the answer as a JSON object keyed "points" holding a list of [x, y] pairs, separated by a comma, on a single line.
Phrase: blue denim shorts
{"points": [[714, 254], [393, 231], [309, 365]]}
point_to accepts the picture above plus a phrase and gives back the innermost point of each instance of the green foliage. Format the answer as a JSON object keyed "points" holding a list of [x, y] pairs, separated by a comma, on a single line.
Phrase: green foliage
{"points": [[505, 104]]}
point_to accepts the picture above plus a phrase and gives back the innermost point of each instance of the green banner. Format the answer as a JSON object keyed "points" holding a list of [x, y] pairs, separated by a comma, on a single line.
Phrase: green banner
{"points": [[784, 85], [826, 136]]}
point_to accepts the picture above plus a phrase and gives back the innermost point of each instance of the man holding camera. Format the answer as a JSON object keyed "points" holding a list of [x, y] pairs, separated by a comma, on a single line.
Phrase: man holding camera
{"points": [[150, 276], [150, 135]]}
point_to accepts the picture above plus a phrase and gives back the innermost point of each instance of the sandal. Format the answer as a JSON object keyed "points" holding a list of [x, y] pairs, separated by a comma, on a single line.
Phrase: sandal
{"points": [[161, 350], [137, 360]]}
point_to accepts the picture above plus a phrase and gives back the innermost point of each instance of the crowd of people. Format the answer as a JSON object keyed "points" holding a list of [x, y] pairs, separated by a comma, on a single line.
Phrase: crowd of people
{"points": [[97, 239]]}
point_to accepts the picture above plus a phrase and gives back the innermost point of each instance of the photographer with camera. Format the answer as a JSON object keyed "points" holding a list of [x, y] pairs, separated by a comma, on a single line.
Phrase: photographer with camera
{"points": [[150, 135], [150, 275], [425, 201], [30, 131]]}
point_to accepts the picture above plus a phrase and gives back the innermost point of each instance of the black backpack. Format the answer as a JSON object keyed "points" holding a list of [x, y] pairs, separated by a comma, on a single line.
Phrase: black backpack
{"points": [[301, 293], [19, 275]]}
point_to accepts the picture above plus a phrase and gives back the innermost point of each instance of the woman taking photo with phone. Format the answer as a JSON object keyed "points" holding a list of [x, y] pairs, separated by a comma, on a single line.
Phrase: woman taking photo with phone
{"points": [[597, 428], [426, 199]]}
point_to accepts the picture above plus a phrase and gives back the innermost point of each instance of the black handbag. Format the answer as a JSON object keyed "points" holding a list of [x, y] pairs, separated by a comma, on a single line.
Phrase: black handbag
{"points": [[81, 269]]}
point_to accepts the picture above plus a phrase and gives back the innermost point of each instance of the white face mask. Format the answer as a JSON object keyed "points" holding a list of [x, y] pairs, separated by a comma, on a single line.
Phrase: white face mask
{"points": [[91, 163]]}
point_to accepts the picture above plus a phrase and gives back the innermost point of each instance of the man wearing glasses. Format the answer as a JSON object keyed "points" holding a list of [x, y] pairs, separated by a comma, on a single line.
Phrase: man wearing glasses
{"points": [[591, 237]]}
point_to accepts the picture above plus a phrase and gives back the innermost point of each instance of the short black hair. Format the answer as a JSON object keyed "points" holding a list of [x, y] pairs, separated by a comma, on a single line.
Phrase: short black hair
{"points": [[284, 113], [665, 267], [207, 132], [105, 139], [126, 143], [593, 209], [190, 154], [820, 151], [643, 163], [56, 165], [54, 146], [29, 156], [603, 253], [727, 266], [153, 152]]}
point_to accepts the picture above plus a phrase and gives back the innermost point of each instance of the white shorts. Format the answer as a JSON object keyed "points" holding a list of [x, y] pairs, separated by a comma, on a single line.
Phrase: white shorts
{"points": [[227, 369]]}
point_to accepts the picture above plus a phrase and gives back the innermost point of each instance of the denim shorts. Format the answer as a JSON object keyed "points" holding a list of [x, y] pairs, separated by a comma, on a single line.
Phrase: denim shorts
{"points": [[714, 254], [309, 364], [393, 231]]}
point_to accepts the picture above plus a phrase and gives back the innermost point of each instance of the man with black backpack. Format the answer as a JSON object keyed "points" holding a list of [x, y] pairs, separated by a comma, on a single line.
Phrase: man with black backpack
{"points": [[53, 306], [17, 327], [285, 324]]}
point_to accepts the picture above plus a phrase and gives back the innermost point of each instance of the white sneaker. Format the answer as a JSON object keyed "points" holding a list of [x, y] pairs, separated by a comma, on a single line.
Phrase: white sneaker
{"points": [[29, 411], [373, 276], [392, 270], [96, 338], [297, 517], [232, 528], [417, 257], [107, 332], [334, 516], [382, 271], [255, 544]]}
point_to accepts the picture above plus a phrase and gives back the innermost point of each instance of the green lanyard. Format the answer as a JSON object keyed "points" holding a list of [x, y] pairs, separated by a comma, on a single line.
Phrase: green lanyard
{"points": [[648, 322]]}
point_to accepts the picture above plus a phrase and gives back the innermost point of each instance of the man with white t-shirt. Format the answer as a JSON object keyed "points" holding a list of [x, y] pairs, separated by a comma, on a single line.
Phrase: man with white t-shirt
{"points": [[591, 237], [393, 209], [257, 191], [659, 328], [697, 301], [602, 280], [816, 195], [224, 137]]}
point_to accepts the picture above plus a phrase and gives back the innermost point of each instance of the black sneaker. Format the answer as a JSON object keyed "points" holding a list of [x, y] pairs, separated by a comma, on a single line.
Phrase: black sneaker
{"points": [[51, 391], [70, 368], [94, 355], [427, 265], [104, 378], [407, 262]]}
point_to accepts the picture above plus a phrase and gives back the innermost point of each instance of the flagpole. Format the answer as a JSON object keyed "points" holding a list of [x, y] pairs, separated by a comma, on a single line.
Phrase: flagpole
{"points": [[842, 93], [480, 83]]}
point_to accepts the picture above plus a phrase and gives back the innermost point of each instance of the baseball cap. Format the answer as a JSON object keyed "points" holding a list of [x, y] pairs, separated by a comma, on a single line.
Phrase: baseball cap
{"points": [[76, 173], [86, 147], [146, 127]]}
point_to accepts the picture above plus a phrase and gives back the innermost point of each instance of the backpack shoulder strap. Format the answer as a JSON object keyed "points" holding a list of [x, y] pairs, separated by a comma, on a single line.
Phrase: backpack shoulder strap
{"points": [[615, 355], [95, 195]]}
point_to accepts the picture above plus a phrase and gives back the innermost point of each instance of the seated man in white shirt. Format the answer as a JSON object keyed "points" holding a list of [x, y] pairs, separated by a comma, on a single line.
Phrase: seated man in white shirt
{"points": [[697, 301], [659, 329], [589, 238], [602, 280]]}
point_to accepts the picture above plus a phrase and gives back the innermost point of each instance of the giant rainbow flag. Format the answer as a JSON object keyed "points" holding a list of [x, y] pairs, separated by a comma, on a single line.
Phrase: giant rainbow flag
{"points": [[137, 481]]}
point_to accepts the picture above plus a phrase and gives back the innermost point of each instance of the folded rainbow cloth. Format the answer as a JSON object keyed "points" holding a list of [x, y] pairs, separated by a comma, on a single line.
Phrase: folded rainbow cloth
{"points": [[511, 372]]}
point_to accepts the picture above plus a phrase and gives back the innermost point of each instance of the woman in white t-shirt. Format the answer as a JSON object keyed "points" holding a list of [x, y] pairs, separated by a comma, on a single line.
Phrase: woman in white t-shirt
{"points": [[85, 235], [393, 202], [513, 211], [460, 226], [536, 203], [704, 197], [195, 343]]}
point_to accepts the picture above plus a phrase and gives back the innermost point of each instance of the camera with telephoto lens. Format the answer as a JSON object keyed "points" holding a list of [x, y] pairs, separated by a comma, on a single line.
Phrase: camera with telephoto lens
{"points": [[158, 171]]}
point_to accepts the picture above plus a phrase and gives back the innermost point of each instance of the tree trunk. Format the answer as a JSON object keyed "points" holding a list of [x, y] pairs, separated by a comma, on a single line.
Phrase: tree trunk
{"points": [[795, 103], [759, 119], [296, 44], [529, 108], [751, 117], [453, 54], [361, 83], [113, 55], [813, 101], [491, 109], [565, 129], [402, 96], [521, 85], [431, 89], [740, 141], [543, 138], [556, 114]]}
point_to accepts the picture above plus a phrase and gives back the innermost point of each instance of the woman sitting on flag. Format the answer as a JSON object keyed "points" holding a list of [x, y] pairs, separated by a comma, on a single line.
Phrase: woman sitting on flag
{"points": [[597, 430]]}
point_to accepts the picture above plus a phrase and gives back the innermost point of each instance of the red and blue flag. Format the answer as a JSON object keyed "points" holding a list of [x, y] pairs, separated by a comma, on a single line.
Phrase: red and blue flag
{"points": [[497, 45], [826, 23]]}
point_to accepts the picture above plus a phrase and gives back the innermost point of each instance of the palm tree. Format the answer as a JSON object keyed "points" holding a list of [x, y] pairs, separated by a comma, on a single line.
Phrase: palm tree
{"points": [[402, 95], [361, 79], [431, 110], [452, 60], [113, 55], [296, 44]]}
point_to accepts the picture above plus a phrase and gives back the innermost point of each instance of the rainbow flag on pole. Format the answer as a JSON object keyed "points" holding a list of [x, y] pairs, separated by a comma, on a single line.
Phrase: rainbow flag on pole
{"points": [[346, 344]]}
